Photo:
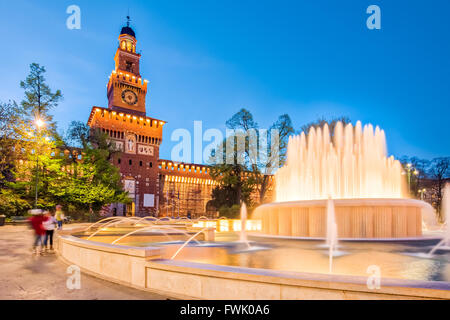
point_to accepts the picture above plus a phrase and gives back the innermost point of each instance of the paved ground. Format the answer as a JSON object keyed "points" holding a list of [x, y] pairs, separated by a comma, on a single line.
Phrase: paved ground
{"points": [[25, 276]]}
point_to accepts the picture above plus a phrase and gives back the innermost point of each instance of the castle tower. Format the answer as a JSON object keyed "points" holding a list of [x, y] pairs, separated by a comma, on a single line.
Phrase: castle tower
{"points": [[126, 123], [126, 89]]}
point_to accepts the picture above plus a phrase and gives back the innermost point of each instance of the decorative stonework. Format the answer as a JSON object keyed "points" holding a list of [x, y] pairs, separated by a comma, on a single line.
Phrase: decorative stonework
{"points": [[145, 150], [130, 143]]}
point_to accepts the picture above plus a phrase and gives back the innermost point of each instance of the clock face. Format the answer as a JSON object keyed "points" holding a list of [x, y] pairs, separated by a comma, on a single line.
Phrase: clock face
{"points": [[129, 97]]}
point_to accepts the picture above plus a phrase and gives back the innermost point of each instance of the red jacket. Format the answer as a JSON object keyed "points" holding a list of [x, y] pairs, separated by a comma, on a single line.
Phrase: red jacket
{"points": [[36, 224]]}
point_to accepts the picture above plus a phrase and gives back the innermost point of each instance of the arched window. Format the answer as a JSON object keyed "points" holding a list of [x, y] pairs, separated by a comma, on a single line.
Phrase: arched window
{"points": [[124, 45]]}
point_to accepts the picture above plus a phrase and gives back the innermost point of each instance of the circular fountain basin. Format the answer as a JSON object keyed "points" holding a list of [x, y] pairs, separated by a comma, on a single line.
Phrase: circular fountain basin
{"points": [[270, 269], [355, 218]]}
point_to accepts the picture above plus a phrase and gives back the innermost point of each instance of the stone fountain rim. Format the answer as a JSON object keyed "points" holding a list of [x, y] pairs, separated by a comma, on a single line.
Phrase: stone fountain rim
{"points": [[146, 260], [351, 202]]}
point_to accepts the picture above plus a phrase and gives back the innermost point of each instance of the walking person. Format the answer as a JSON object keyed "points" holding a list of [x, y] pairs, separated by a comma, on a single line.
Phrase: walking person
{"points": [[49, 226], [59, 216], [36, 222]]}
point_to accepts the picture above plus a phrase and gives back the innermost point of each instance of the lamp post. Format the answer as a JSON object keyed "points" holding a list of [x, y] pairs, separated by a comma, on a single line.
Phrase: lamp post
{"points": [[39, 124], [409, 169], [422, 191]]}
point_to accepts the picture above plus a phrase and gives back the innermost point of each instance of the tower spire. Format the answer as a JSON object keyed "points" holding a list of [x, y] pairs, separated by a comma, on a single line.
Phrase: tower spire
{"points": [[128, 17]]}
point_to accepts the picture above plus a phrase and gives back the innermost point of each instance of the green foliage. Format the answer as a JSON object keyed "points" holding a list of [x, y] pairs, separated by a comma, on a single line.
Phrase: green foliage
{"points": [[39, 98], [227, 195], [94, 181], [232, 212], [9, 118], [11, 204], [241, 173], [35, 160]]}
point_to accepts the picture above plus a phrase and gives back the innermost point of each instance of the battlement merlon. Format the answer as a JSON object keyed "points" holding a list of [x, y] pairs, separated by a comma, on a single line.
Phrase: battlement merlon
{"points": [[115, 120]]}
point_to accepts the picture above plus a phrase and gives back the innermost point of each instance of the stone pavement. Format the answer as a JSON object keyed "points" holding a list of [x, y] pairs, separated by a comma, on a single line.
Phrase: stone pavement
{"points": [[26, 276]]}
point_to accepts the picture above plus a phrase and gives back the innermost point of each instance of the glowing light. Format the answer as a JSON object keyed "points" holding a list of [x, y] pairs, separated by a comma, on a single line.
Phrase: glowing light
{"points": [[352, 163], [39, 123]]}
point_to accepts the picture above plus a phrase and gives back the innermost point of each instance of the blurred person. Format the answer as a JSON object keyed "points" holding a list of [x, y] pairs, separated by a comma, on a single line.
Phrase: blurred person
{"points": [[49, 226], [36, 222], [59, 216]]}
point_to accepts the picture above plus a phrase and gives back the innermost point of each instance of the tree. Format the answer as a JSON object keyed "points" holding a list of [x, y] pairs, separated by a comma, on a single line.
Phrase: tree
{"points": [[276, 156], [11, 204], [93, 181], [36, 139], [244, 161], [9, 140], [439, 171], [418, 172], [319, 123], [43, 163], [39, 98]]}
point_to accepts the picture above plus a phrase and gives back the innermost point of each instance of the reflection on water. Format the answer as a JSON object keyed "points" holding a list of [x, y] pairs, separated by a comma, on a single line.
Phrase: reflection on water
{"points": [[401, 260]]}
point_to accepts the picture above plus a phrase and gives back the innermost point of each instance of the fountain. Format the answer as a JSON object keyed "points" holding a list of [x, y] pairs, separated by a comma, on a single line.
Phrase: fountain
{"points": [[444, 244], [351, 165], [243, 233], [331, 232]]}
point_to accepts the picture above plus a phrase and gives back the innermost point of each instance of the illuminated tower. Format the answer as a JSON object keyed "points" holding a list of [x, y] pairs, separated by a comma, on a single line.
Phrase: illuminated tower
{"points": [[126, 88], [133, 132]]}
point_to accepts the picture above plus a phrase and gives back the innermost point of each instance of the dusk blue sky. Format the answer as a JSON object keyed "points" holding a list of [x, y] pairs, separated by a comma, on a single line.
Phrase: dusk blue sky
{"points": [[207, 59]]}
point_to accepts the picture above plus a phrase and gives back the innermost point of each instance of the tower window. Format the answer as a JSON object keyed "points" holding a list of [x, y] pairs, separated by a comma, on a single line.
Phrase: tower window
{"points": [[130, 162], [118, 161], [150, 164], [129, 66], [140, 163]]}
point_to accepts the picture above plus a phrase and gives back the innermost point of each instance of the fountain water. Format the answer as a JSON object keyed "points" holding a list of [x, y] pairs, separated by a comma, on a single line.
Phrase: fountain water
{"points": [[243, 234], [352, 163], [114, 222], [444, 244], [158, 228], [187, 241], [331, 232], [352, 166]]}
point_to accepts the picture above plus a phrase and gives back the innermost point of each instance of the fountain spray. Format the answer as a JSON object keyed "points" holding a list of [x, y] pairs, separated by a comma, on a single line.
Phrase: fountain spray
{"points": [[331, 231], [444, 244], [243, 235]]}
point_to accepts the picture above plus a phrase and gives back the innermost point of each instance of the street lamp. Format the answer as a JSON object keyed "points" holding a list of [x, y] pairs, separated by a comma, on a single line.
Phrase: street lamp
{"points": [[422, 192], [39, 124], [409, 169]]}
